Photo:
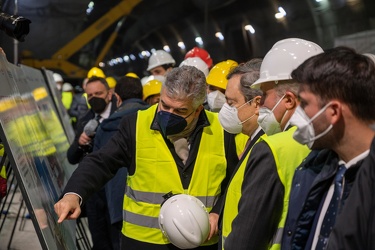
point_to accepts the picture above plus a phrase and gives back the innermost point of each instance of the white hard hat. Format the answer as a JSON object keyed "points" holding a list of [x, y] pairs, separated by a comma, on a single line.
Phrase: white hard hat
{"points": [[67, 87], [146, 79], [183, 219], [285, 56], [158, 58], [196, 62], [57, 77]]}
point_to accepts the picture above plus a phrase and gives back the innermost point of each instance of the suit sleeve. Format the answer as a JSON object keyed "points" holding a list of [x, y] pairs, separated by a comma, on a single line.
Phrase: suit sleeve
{"points": [[99, 167], [261, 203]]}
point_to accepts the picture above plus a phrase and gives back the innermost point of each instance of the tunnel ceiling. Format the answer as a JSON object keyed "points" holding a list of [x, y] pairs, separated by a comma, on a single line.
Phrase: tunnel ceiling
{"points": [[152, 24]]}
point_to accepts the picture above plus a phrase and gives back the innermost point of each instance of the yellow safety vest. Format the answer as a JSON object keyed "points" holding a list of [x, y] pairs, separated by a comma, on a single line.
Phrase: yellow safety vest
{"points": [[288, 154], [156, 174], [241, 140], [67, 99]]}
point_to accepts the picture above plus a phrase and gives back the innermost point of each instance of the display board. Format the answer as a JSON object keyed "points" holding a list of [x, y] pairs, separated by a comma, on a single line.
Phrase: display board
{"points": [[56, 97], [36, 143]]}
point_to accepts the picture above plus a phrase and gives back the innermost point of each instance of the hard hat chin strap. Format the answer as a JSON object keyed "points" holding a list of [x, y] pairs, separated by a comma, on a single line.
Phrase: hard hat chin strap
{"points": [[166, 197]]}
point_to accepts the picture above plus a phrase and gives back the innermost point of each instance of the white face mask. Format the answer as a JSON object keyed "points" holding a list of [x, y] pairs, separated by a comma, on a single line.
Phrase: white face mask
{"points": [[305, 133], [228, 117], [215, 100], [267, 120]]}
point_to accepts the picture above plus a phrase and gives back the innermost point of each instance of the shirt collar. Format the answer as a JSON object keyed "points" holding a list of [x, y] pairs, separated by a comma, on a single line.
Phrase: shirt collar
{"points": [[106, 112], [356, 159]]}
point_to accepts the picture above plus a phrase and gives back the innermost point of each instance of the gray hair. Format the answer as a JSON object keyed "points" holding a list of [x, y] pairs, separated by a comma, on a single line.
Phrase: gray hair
{"points": [[288, 85], [186, 82], [250, 73]]}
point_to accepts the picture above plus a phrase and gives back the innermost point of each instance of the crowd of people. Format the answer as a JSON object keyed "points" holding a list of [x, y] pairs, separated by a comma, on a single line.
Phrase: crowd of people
{"points": [[280, 151]]}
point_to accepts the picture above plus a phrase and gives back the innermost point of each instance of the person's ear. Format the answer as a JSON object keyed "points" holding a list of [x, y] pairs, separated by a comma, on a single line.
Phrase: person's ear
{"points": [[110, 95], [291, 100], [198, 111], [334, 111], [256, 104]]}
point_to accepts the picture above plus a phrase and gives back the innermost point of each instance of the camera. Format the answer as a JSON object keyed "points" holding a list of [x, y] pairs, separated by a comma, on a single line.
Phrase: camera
{"points": [[15, 26]]}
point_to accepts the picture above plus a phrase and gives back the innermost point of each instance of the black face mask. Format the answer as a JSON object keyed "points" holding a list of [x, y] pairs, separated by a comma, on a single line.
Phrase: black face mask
{"points": [[171, 124], [98, 104]]}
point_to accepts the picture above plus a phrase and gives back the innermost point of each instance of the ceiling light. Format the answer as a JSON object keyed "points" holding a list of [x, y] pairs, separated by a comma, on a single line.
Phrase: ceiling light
{"points": [[145, 53], [114, 61], [250, 28], [199, 40], [219, 35], [166, 48], [101, 64], [181, 45], [126, 58], [132, 57], [281, 13], [90, 7]]}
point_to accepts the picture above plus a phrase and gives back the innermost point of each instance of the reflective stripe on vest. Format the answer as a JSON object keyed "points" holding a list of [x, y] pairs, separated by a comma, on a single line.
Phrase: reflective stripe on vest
{"points": [[150, 197], [288, 154], [156, 174]]}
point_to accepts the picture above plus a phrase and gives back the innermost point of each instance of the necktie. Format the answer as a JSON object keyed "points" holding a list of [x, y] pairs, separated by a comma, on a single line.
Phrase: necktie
{"points": [[97, 118], [333, 209], [246, 146]]}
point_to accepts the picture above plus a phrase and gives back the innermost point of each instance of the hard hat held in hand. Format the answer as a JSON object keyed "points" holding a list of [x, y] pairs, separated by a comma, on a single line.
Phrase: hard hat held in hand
{"points": [[183, 219], [285, 56]]}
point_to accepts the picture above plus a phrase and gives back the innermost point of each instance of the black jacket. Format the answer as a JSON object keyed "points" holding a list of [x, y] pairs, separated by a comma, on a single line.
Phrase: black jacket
{"points": [[355, 226], [115, 188], [309, 188], [76, 152]]}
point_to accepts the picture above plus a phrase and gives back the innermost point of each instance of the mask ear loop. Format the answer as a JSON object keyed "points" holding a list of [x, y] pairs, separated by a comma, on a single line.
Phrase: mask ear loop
{"points": [[278, 102], [315, 116], [319, 112], [241, 107]]}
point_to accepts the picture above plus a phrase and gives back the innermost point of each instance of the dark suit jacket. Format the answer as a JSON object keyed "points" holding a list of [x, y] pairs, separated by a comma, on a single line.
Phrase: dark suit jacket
{"points": [[76, 152]]}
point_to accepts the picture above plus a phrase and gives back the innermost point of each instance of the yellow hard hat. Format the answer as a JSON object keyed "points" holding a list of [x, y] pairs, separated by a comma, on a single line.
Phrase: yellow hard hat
{"points": [[218, 74], [95, 71], [39, 93], [152, 87], [111, 82], [131, 74]]}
